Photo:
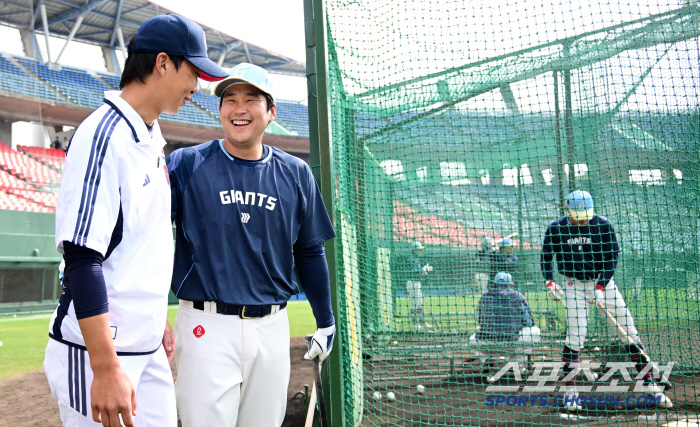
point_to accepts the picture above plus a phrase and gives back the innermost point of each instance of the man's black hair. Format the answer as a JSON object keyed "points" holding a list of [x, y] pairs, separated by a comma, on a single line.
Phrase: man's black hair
{"points": [[268, 99], [139, 65]]}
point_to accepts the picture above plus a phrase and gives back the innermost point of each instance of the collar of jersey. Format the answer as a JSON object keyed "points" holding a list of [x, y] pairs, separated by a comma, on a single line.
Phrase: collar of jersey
{"points": [[132, 118], [246, 162]]}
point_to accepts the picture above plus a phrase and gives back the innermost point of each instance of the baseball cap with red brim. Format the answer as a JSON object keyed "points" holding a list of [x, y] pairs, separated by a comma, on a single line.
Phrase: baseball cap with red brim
{"points": [[178, 36]]}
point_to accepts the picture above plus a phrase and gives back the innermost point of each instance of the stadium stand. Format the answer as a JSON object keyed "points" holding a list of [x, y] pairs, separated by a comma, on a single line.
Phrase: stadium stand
{"points": [[26, 184], [23, 167], [50, 157], [13, 79], [293, 116], [77, 85]]}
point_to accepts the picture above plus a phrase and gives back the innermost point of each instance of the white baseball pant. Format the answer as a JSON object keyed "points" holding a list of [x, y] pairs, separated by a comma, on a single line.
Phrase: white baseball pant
{"points": [[577, 295], [528, 335], [415, 295], [231, 372], [70, 378], [482, 282]]}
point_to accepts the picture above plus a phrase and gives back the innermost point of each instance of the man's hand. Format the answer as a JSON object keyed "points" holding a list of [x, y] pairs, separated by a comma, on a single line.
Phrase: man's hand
{"points": [[169, 341], [321, 344], [599, 299], [112, 394], [553, 290]]}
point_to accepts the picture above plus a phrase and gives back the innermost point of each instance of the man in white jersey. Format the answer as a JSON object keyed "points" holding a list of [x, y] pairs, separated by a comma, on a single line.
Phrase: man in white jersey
{"points": [[110, 342]]}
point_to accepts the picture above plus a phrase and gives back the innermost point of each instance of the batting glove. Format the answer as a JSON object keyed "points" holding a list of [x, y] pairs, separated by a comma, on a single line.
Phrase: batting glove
{"points": [[427, 268], [321, 344], [552, 290]]}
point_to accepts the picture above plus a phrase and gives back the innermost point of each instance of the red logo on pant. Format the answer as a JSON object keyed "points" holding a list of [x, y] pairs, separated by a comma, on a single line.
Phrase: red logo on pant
{"points": [[570, 283], [198, 331]]}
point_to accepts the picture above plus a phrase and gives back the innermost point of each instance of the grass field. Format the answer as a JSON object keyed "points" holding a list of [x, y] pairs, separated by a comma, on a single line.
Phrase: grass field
{"points": [[24, 337]]}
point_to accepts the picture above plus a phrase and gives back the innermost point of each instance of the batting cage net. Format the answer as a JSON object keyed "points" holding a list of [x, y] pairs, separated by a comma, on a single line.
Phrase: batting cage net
{"points": [[458, 129]]}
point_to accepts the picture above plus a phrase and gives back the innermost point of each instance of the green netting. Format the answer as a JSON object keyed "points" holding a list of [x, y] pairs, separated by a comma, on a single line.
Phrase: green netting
{"points": [[456, 120]]}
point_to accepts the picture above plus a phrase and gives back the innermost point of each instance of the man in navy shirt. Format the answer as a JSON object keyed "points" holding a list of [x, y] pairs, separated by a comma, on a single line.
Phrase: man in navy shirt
{"points": [[247, 214], [504, 315], [586, 251]]}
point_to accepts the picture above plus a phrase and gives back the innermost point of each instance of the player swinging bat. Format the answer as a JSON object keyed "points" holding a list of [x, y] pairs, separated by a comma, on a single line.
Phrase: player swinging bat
{"points": [[586, 251]]}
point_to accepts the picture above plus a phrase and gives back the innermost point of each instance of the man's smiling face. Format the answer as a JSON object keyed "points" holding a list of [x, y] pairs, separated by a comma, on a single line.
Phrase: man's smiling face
{"points": [[244, 114]]}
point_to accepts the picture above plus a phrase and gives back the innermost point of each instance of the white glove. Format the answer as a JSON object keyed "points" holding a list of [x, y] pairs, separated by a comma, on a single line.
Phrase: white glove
{"points": [[427, 268], [552, 290], [321, 344], [599, 298]]}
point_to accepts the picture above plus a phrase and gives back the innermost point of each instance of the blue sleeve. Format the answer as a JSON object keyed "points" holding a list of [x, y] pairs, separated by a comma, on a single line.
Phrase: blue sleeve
{"points": [[173, 161], [83, 277], [315, 227], [313, 275], [547, 255], [610, 251]]}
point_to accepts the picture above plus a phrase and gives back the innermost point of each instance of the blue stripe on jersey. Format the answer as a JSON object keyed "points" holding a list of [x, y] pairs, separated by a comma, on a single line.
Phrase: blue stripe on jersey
{"points": [[115, 108], [93, 175]]}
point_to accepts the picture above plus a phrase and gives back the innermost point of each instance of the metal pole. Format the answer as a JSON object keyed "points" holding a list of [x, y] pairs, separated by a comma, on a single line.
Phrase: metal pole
{"points": [[557, 135], [122, 45], [45, 22], [568, 125], [322, 167], [73, 30], [520, 206]]}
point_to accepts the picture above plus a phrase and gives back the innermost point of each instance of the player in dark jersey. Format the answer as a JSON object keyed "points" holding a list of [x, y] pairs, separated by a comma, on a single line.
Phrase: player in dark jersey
{"points": [[504, 315], [503, 260], [586, 251], [246, 214]]}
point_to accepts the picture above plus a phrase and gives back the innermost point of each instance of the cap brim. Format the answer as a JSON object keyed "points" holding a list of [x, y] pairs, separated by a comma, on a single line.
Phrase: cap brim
{"points": [[210, 72], [225, 84], [581, 215]]}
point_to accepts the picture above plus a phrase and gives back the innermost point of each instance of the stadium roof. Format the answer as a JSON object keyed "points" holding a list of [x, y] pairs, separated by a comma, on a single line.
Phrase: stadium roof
{"points": [[102, 20]]}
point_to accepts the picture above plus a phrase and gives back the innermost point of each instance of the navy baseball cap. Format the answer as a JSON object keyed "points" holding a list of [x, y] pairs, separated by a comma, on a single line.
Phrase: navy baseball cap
{"points": [[180, 36]]}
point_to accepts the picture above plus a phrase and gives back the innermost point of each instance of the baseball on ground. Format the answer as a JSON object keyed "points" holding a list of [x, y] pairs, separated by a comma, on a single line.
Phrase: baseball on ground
{"points": [[421, 389], [390, 396]]}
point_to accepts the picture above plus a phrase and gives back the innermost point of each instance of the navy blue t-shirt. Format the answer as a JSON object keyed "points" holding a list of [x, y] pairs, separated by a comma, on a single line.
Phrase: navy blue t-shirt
{"points": [[238, 222], [584, 252]]}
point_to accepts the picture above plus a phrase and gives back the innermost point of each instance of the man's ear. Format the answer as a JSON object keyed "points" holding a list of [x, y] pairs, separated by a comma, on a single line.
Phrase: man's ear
{"points": [[273, 113], [161, 63]]}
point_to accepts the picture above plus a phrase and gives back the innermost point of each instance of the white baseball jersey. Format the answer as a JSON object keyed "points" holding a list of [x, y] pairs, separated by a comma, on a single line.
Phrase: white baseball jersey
{"points": [[115, 199]]}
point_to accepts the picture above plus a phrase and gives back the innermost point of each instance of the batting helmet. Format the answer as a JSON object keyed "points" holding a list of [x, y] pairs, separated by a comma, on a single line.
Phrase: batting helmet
{"points": [[503, 279], [506, 243], [416, 245], [580, 205], [247, 73]]}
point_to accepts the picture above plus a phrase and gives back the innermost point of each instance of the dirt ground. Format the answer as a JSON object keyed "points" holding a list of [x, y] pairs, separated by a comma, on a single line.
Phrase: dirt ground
{"points": [[25, 400], [460, 400]]}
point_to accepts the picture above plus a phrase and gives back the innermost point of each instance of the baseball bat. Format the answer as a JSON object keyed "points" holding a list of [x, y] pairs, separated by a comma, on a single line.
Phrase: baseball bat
{"points": [[645, 357], [311, 412], [319, 386]]}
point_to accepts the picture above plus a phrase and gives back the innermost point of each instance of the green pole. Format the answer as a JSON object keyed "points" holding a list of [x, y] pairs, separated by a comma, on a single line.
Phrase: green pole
{"points": [[322, 167]]}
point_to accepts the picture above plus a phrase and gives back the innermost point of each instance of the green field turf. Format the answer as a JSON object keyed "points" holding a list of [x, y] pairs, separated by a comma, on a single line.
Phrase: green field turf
{"points": [[24, 337]]}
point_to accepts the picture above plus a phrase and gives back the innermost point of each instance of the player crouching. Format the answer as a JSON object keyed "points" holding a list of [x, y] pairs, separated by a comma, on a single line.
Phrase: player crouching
{"points": [[586, 251], [504, 316]]}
